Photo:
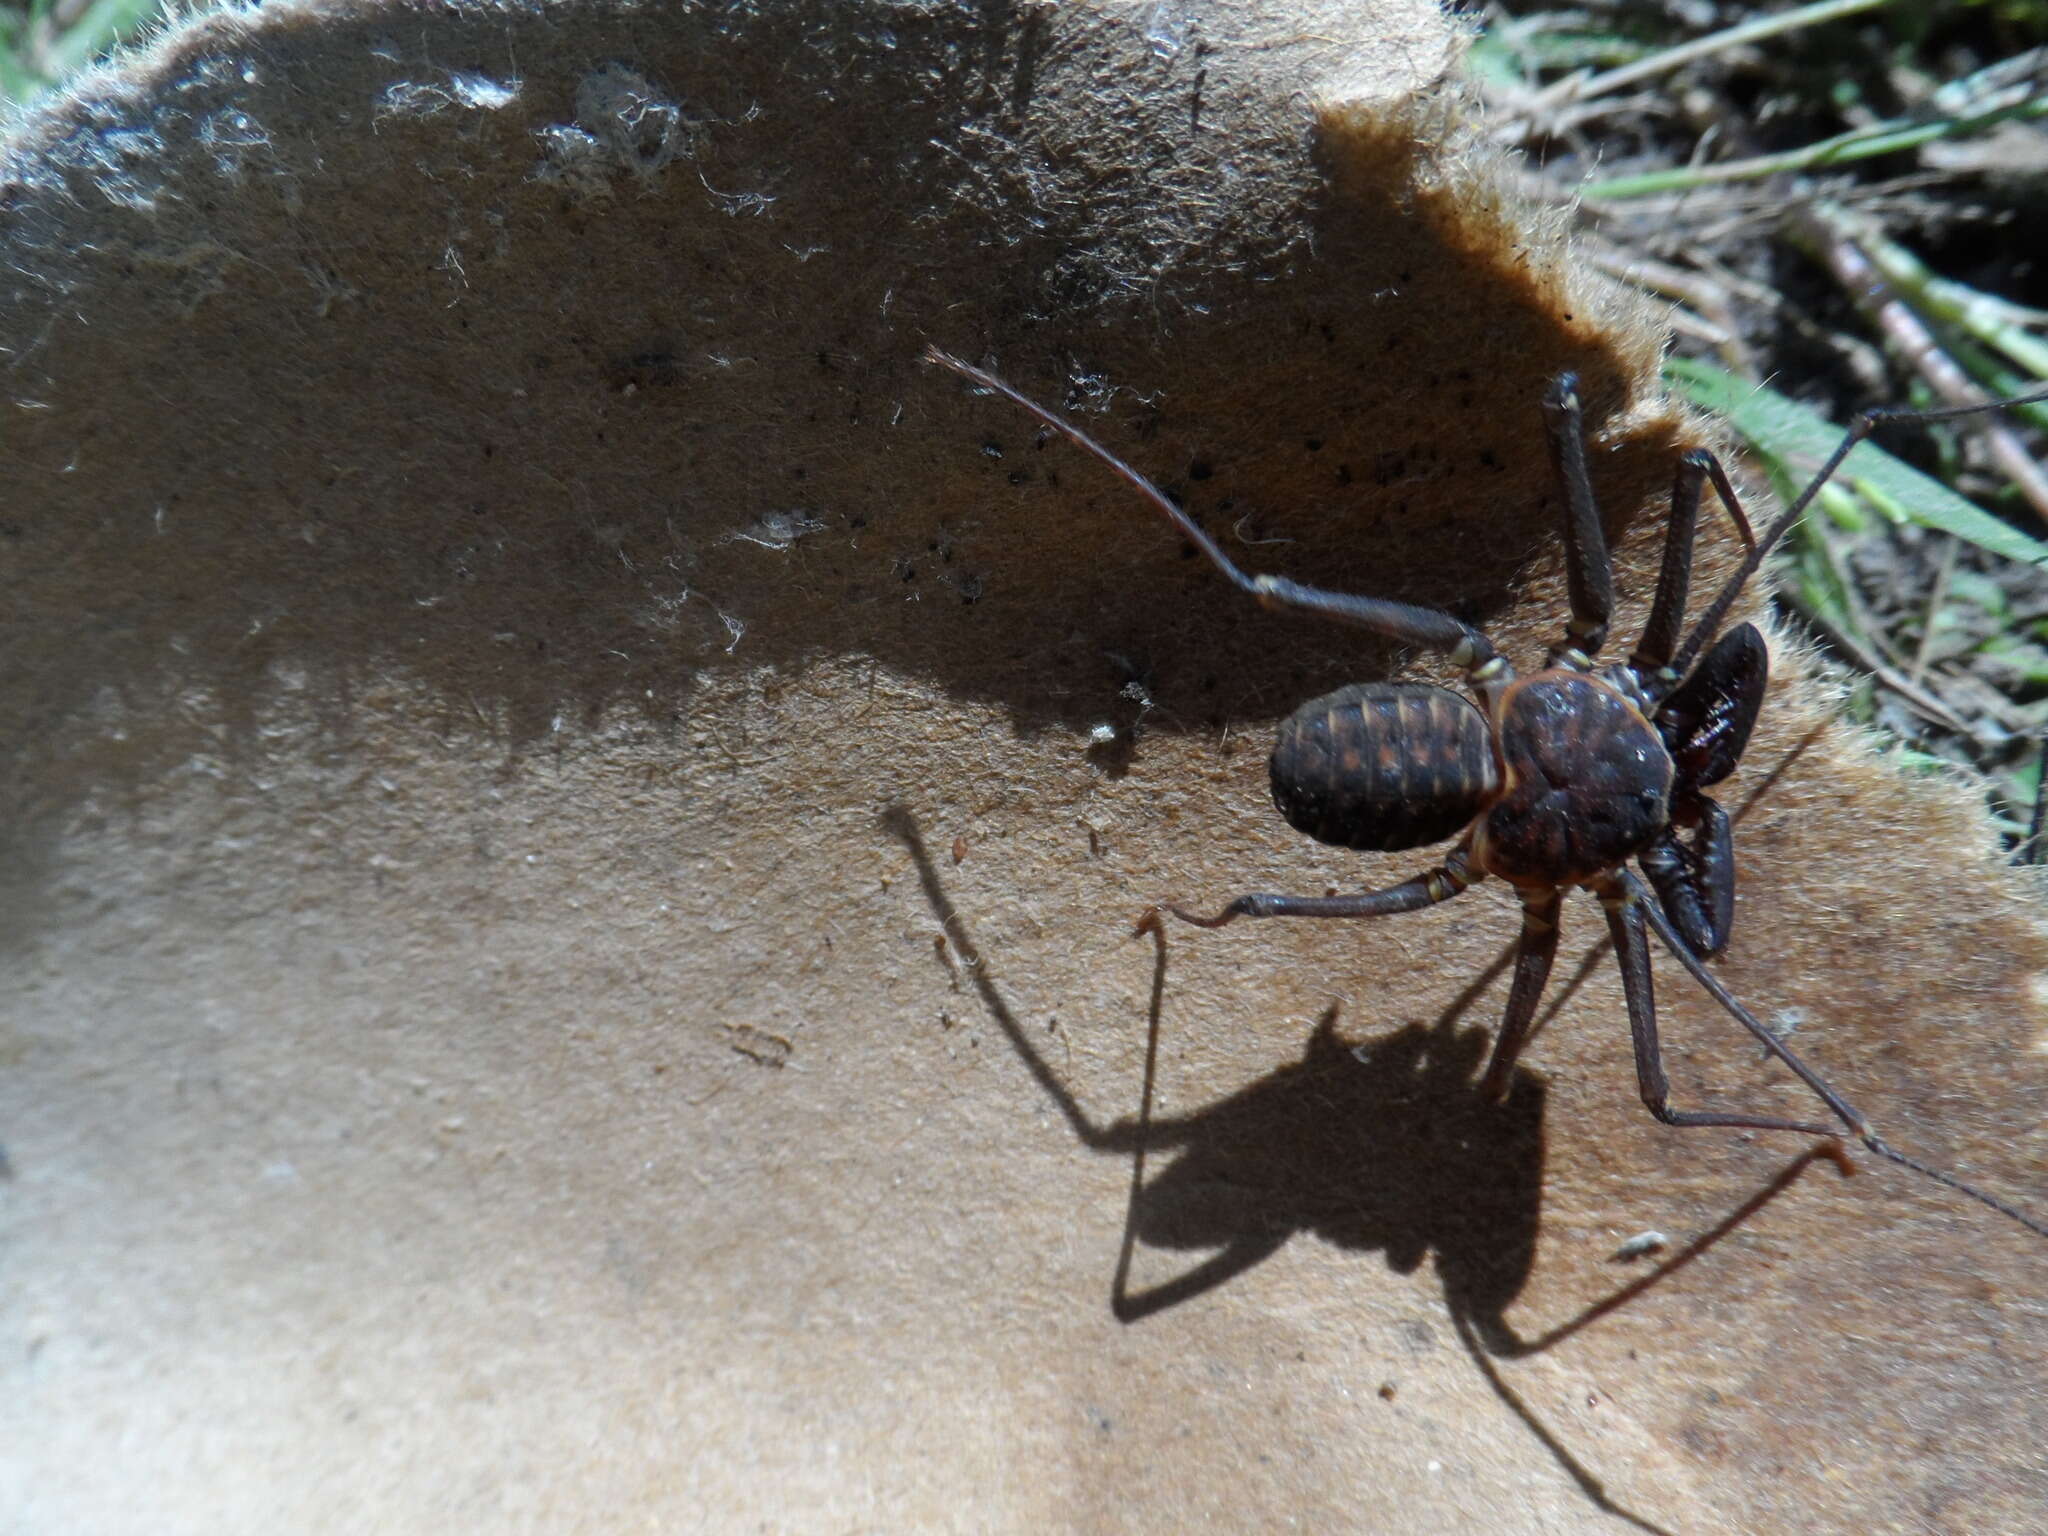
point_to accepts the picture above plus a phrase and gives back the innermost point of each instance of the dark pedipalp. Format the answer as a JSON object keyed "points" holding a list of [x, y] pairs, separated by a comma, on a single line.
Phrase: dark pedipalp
{"points": [[1706, 722], [1695, 880]]}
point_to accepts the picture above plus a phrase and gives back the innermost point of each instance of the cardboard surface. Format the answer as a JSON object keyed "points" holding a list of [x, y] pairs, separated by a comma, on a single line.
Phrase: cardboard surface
{"points": [[569, 921]]}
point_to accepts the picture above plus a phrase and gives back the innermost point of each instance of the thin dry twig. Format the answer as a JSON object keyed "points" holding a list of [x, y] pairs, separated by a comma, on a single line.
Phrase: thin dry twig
{"points": [[1710, 318], [1937, 598], [1923, 702]]}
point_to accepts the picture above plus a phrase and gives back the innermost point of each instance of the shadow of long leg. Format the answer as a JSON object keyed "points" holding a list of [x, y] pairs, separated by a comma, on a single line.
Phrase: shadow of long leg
{"points": [[1502, 1341], [1246, 1252], [899, 822], [1361, 1143], [1591, 1486]]}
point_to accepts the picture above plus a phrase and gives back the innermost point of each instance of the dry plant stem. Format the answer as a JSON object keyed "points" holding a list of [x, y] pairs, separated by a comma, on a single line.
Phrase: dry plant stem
{"points": [[2000, 718], [1867, 659], [1935, 599], [1887, 138], [1710, 319], [1584, 88], [1822, 231], [1865, 640], [2003, 327], [1859, 356]]}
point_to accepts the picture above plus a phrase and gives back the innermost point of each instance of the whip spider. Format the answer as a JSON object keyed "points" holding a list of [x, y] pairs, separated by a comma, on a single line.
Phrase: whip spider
{"points": [[1555, 779]]}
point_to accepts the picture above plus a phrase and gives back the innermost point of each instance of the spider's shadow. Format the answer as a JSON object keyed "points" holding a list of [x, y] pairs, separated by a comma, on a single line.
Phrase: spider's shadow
{"points": [[1386, 1145], [1383, 1146]]}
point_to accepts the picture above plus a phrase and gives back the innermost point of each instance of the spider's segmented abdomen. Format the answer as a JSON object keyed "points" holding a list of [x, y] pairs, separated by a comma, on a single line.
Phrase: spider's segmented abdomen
{"points": [[1383, 766]]}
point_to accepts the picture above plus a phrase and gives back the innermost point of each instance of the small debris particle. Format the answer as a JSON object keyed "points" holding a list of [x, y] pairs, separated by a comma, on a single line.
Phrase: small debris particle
{"points": [[1782, 1024], [759, 1046], [778, 529], [945, 954], [1642, 1243], [1387, 1390]]}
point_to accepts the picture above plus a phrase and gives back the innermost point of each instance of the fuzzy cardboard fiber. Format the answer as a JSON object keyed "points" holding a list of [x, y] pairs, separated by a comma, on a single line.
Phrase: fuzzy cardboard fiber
{"points": [[573, 815]]}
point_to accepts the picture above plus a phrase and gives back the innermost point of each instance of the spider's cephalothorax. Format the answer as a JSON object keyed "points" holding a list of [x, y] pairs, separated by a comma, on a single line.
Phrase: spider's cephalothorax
{"points": [[1551, 781]]}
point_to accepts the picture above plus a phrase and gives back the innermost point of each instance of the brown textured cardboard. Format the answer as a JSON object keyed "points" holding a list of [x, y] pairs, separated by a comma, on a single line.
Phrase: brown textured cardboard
{"points": [[569, 923]]}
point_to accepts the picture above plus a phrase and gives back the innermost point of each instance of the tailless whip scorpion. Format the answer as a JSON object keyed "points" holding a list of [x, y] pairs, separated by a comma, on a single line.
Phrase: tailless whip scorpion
{"points": [[1556, 779]]}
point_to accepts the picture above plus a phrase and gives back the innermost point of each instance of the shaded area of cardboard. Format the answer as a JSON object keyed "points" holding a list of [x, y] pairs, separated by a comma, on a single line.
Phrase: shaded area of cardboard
{"points": [[689, 392], [517, 671]]}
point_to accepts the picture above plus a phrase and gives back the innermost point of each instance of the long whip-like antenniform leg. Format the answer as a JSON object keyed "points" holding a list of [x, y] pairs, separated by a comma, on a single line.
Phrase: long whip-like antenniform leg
{"points": [[1534, 952], [1405, 622], [1425, 890], [1848, 1115]]}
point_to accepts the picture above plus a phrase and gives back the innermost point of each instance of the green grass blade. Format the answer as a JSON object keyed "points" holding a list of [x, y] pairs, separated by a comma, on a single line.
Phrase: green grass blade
{"points": [[98, 30], [1886, 138]]}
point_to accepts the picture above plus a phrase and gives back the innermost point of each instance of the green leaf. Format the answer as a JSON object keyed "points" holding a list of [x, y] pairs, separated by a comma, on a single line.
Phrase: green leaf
{"points": [[2022, 660], [1980, 591], [1801, 439]]}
